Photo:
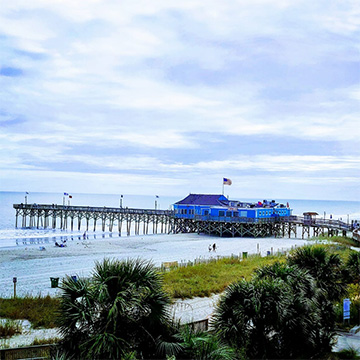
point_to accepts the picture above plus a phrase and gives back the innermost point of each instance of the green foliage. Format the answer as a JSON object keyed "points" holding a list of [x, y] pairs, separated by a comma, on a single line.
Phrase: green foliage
{"points": [[40, 311], [122, 308], [353, 266], [349, 353], [287, 309], [54, 340], [203, 280], [9, 328], [343, 240], [325, 267], [266, 318], [202, 345]]}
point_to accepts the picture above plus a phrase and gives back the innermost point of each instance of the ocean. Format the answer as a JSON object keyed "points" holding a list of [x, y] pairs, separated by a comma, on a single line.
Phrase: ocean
{"points": [[15, 237]]}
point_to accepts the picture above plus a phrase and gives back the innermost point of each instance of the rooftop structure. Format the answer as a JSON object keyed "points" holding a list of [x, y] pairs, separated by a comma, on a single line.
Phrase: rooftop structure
{"points": [[215, 207]]}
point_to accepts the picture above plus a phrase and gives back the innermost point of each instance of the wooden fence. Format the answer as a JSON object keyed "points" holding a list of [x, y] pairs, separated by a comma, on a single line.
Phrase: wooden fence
{"points": [[29, 352]]}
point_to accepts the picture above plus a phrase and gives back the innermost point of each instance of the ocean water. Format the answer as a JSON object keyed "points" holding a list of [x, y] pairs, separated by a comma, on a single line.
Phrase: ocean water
{"points": [[11, 236]]}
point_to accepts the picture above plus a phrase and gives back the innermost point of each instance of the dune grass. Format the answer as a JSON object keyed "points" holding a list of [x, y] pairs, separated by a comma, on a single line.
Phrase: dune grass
{"points": [[203, 280], [40, 311], [9, 328], [341, 240]]}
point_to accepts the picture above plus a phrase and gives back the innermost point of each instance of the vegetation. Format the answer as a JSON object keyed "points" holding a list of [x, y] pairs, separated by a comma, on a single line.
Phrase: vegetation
{"points": [[54, 340], [9, 328], [347, 241], [202, 345], [203, 280], [40, 311], [287, 310], [122, 308], [272, 307], [349, 353]]}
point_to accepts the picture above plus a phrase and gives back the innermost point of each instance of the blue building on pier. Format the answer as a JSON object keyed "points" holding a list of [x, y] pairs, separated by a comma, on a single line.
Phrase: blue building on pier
{"points": [[218, 207]]}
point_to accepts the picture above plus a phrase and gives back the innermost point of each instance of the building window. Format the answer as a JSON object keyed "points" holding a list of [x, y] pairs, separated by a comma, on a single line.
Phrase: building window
{"points": [[221, 213], [228, 213]]}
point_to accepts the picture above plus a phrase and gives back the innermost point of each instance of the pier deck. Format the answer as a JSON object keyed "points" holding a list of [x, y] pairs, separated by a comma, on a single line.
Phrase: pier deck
{"points": [[164, 221]]}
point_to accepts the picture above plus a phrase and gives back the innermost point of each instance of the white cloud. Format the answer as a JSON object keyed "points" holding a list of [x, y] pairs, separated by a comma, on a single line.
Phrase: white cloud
{"points": [[129, 76]]}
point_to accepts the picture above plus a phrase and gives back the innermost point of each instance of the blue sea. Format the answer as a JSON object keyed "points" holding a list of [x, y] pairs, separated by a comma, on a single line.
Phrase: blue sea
{"points": [[10, 236]]}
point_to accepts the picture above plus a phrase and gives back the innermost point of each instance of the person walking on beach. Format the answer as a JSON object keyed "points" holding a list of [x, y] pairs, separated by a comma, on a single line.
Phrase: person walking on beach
{"points": [[210, 247], [214, 247]]}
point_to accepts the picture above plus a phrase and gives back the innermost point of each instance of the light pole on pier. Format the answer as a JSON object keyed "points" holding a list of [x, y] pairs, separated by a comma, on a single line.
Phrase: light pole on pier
{"points": [[156, 197], [121, 200], [65, 194], [26, 194]]}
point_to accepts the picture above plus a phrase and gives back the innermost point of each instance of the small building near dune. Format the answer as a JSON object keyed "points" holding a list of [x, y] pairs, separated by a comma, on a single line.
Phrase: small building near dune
{"points": [[220, 208]]}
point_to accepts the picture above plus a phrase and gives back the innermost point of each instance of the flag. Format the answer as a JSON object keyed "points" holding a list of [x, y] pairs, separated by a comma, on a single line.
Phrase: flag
{"points": [[227, 181], [70, 196], [287, 204], [66, 194], [27, 192], [157, 196]]}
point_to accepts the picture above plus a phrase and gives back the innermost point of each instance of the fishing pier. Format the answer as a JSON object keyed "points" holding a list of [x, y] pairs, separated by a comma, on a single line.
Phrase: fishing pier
{"points": [[66, 217], [146, 221]]}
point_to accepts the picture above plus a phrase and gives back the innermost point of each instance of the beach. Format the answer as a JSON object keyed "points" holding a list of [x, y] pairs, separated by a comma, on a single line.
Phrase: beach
{"points": [[33, 265]]}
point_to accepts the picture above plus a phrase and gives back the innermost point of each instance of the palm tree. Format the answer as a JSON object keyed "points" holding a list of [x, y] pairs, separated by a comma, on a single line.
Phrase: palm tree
{"points": [[121, 309], [328, 272], [281, 313], [297, 332], [353, 266], [254, 316], [200, 345], [326, 268]]}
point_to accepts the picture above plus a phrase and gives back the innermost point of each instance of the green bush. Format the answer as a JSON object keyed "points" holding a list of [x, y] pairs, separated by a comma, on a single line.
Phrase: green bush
{"points": [[9, 328], [40, 311]]}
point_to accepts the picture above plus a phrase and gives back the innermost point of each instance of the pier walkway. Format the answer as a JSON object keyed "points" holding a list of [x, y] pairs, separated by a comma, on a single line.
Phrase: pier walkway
{"points": [[153, 221]]}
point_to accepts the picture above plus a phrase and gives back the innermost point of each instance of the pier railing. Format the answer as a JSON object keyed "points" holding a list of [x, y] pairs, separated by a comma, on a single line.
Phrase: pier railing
{"points": [[122, 210], [300, 220]]}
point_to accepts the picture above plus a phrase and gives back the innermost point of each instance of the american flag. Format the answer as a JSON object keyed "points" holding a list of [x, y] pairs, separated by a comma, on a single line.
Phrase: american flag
{"points": [[66, 194], [227, 181]]}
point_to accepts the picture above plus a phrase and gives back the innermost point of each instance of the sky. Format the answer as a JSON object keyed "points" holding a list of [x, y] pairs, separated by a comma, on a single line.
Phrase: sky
{"points": [[169, 97]]}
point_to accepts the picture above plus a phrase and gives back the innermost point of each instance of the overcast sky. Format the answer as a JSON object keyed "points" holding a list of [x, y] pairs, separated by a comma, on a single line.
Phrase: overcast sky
{"points": [[168, 97]]}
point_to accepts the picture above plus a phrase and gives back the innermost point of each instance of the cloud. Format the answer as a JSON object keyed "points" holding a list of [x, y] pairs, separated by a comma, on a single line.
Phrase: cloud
{"points": [[176, 90]]}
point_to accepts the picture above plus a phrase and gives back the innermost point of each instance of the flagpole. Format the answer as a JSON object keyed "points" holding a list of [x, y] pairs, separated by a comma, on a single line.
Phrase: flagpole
{"points": [[223, 188]]}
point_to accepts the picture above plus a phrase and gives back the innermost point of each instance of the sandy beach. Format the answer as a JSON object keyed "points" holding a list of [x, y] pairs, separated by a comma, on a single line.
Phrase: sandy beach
{"points": [[33, 267]]}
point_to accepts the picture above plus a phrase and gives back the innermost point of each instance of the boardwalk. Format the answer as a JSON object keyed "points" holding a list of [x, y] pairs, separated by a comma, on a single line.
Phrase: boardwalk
{"points": [[164, 221]]}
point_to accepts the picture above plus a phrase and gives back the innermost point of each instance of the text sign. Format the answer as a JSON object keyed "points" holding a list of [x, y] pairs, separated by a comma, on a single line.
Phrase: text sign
{"points": [[346, 308]]}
